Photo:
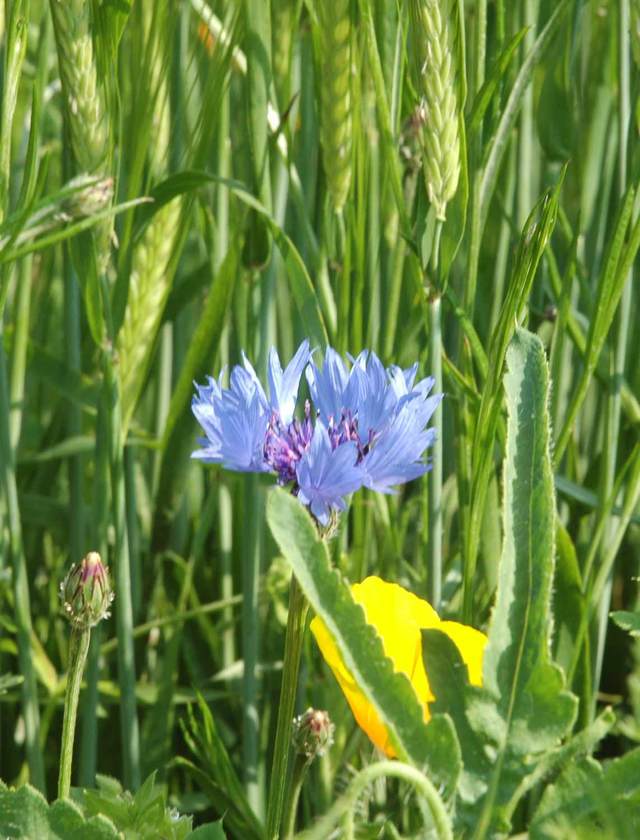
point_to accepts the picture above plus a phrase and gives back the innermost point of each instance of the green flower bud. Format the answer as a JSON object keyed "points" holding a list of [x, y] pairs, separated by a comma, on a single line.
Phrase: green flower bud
{"points": [[312, 733], [86, 593]]}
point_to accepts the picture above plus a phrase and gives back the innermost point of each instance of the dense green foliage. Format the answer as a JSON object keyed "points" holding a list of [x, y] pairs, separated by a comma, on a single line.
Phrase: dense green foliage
{"points": [[444, 181]]}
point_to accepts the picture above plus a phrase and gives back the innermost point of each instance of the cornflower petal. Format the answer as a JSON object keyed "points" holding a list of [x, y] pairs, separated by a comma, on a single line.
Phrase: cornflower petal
{"points": [[234, 422], [283, 386], [369, 397], [243, 375], [325, 475], [327, 385], [395, 457], [402, 380]]}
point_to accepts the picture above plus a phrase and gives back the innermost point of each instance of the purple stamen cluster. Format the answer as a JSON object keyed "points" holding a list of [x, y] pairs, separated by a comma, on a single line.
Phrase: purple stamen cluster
{"points": [[284, 445], [367, 427], [346, 429]]}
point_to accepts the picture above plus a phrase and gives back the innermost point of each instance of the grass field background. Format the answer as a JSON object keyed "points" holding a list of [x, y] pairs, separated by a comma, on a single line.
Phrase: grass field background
{"points": [[182, 181]]}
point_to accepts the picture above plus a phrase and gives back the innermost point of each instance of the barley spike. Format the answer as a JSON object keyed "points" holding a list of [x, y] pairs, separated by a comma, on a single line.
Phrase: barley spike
{"points": [[336, 127], [435, 69]]}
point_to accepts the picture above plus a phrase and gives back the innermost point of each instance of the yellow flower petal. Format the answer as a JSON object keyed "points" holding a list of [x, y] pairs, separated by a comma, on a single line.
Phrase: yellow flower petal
{"points": [[398, 616], [471, 644]]}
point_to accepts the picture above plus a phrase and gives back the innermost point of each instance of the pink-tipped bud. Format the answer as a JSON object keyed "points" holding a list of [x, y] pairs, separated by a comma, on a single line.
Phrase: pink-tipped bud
{"points": [[86, 592], [312, 733]]}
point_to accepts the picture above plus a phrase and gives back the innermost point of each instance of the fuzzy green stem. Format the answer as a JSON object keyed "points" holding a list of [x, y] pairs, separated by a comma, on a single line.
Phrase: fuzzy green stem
{"points": [[78, 649], [292, 650], [300, 767], [423, 786]]}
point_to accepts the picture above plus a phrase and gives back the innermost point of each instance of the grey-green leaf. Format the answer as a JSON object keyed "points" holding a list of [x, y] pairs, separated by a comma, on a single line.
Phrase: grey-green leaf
{"points": [[389, 692], [526, 709]]}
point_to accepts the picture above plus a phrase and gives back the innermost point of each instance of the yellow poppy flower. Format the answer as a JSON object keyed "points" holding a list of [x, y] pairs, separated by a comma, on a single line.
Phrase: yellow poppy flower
{"points": [[398, 616]]}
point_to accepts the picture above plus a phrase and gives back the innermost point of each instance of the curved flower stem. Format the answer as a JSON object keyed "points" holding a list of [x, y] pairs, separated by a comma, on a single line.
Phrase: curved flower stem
{"points": [[343, 806], [292, 649], [78, 649], [300, 767]]}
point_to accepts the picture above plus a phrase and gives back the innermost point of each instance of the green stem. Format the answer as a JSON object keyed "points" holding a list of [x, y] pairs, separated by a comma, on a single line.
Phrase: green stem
{"points": [[100, 523], [225, 530], [252, 562], [435, 476], [124, 608], [618, 361], [22, 607], [292, 650], [298, 776], [78, 649], [423, 786]]}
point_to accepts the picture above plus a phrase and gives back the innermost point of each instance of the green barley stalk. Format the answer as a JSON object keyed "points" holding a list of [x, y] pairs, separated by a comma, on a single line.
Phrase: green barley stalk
{"points": [[634, 12], [336, 100], [434, 50]]}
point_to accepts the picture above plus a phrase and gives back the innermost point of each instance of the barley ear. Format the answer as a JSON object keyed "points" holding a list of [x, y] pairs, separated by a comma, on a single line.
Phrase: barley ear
{"points": [[336, 100], [84, 97], [435, 63], [151, 263]]}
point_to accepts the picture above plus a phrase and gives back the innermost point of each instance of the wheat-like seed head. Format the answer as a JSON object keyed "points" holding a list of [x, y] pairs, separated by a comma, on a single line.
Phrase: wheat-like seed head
{"points": [[336, 128], [88, 121], [149, 280], [435, 64], [148, 290]]}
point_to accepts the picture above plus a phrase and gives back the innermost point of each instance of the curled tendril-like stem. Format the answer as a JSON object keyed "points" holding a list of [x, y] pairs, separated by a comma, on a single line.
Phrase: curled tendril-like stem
{"points": [[343, 808]]}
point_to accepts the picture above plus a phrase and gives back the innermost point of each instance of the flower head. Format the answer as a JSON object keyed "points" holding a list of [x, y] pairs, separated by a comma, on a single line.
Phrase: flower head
{"points": [[86, 593], [312, 733], [398, 617], [367, 427]]}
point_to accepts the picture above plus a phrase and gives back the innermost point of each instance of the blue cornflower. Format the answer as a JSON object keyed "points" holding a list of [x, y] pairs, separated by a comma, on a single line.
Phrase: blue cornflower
{"points": [[368, 427]]}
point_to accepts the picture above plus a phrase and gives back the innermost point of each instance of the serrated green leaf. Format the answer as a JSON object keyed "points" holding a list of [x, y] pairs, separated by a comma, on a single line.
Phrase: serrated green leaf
{"points": [[517, 660], [26, 815], [145, 816], [211, 831], [590, 797], [390, 693], [534, 711]]}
